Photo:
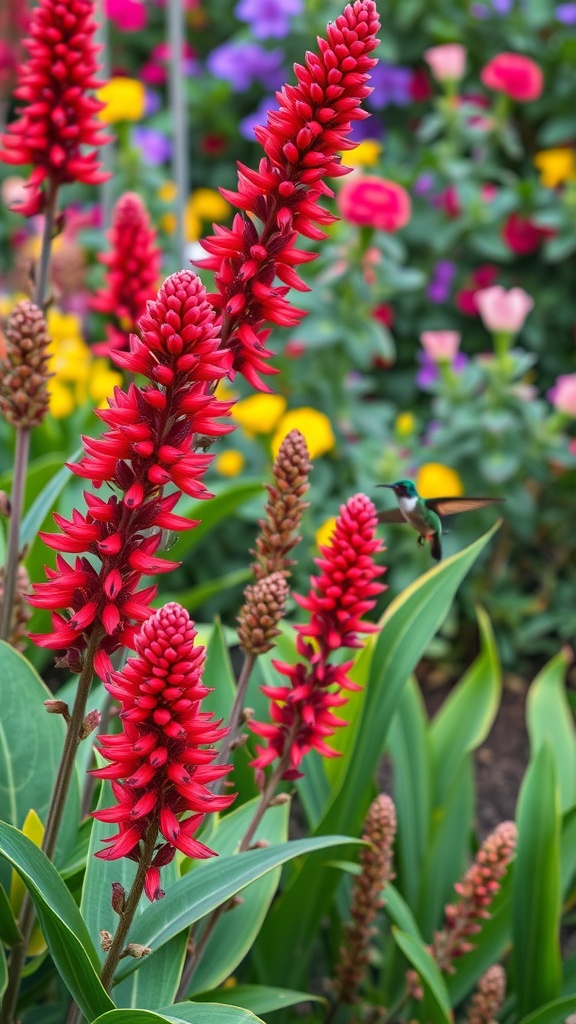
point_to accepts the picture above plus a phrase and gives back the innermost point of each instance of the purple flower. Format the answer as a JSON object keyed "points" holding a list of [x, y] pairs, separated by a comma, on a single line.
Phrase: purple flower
{"points": [[441, 280], [369, 129], [155, 146], [566, 13], [241, 64], [391, 85], [429, 373], [257, 117], [268, 18], [152, 102], [424, 184]]}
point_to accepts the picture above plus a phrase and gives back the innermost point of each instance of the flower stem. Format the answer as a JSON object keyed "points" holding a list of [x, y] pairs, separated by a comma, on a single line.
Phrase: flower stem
{"points": [[27, 917], [46, 250], [127, 915], [13, 546], [236, 712], [267, 796]]}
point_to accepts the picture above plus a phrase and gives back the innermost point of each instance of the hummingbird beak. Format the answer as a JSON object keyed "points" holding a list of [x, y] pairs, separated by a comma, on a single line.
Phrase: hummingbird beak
{"points": [[391, 486]]}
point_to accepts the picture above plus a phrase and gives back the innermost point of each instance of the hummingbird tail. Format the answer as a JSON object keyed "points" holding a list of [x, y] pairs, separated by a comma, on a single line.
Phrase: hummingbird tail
{"points": [[436, 547]]}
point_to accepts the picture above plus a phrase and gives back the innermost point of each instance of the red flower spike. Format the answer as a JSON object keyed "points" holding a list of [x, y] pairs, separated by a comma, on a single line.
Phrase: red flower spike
{"points": [[301, 712], [158, 777], [133, 267], [57, 120], [148, 447], [302, 142]]}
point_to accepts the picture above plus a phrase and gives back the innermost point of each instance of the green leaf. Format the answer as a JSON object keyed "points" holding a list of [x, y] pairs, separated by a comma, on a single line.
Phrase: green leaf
{"points": [[438, 1000], [195, 596], [195, 1013], [211, 513], [467, 714], [219, 675], [555, 1012], [259, 998], [548, 718], [9, 933], [62, 925], [212, 883], [31, 744], [447, 847], [536, 903], [409, 746], [399, 911], [3, 972], [568, 850], [236, 930]]}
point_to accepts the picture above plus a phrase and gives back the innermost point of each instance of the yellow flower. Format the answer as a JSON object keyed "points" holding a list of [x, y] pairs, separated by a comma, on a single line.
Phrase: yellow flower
{"points": [[61, 400], [324, 532], [314, 425], [103, 379], [556, 166], [223, 392], [405, 424], [205, 204], [124, 99], [63, 326], [259, 414], [367, 154], [434, 480], [167, 194], [230, 463]]}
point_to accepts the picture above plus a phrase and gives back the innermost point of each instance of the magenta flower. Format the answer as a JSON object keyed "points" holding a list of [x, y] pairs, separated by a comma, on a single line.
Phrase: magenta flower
{"points": [[149, 447], [345, 590], [158, 767]]}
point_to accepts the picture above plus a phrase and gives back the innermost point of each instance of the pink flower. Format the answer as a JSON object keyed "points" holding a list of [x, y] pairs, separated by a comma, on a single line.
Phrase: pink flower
{"points": [[447, 62], [563, 394], [501, 310], [374, 202], [128, 15], [441, 346], [159, 772], [515, 75], [340, 596]]}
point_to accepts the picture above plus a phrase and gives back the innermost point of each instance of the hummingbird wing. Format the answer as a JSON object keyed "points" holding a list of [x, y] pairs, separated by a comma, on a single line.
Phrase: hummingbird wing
{"points": [[453, 506], [393, 516]]}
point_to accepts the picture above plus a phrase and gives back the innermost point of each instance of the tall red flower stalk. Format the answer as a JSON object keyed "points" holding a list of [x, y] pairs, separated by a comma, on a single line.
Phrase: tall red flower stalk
{"points": [[132, 270], [159, 773], [343, 592], [159, 765], [57, 118], [148, 448], [302, 142]]}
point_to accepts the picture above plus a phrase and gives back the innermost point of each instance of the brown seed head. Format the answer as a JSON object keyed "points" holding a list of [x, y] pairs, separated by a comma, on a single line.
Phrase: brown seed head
{"points": [[24, 368], [488, 998], [279, 529], [264, 603]]}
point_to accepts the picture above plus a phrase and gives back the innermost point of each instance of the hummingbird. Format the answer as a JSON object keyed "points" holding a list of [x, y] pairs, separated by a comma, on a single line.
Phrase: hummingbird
{"points": [[425, 514]]}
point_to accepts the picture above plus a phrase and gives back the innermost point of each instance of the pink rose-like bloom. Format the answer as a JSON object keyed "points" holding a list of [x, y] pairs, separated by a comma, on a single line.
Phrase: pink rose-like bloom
{"points": [[447, 62], [503, 310], [515, 75], [441, 346], [374, 202], [128, 15], [563, 394]]}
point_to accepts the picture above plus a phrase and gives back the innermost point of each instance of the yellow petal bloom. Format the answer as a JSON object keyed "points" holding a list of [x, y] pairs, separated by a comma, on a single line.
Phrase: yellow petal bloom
{"points": [[405, 424], [434, 480], [314, 425], [366, 154], [556, 166], [209, 205], [124, 99], [230, 463], [62, 402], [259, 414], [102, 381], [324, 532]]}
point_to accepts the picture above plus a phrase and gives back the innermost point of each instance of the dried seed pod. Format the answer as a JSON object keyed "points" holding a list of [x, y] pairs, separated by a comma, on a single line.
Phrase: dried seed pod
{"points": [[24, 367]]}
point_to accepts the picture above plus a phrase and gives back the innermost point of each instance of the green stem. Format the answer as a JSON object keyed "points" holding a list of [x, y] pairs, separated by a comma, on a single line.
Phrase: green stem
{"points": [[27, 917], [13, 546], [127, 915], [236, 713], [45, 252]]}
